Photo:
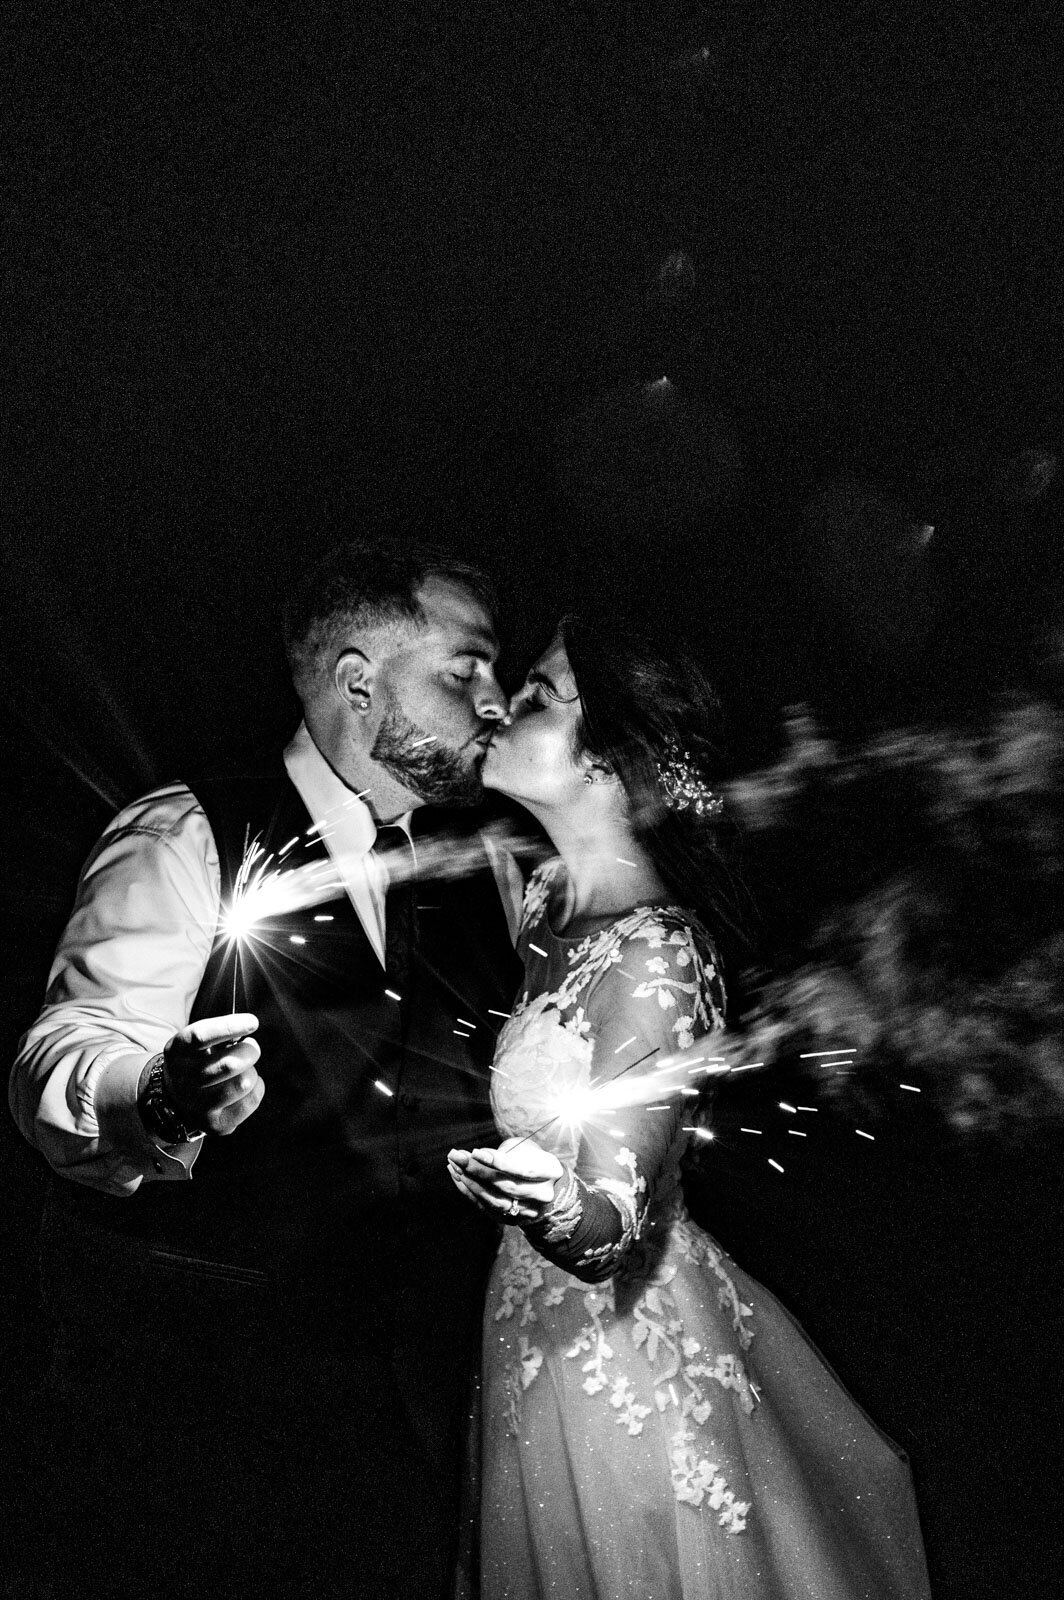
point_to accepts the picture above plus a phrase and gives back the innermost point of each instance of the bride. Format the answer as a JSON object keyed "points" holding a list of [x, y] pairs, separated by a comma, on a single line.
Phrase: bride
{"points": [[654, 1422]]}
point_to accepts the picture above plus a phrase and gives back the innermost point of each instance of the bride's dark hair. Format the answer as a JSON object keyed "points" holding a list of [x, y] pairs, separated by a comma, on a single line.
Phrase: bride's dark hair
{"points": [[640, 707]]}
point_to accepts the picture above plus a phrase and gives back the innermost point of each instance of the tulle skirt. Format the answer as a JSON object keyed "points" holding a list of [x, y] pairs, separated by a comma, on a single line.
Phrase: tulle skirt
{"points": [[673, 1433]]}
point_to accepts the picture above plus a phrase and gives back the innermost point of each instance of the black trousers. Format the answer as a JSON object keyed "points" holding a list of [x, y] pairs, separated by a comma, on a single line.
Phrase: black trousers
{"points": [[200, 1432]]}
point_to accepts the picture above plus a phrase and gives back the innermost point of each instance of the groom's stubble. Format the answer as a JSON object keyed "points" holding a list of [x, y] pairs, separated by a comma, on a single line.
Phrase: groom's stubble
{"points": [[437, 775]]}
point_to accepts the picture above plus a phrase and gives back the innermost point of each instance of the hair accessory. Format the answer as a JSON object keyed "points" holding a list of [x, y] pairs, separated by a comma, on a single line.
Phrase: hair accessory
{"points": [[684, 787]]}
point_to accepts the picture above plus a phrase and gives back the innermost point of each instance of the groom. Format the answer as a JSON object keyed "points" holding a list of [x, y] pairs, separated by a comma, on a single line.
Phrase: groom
{"points": [[266, 1293]]}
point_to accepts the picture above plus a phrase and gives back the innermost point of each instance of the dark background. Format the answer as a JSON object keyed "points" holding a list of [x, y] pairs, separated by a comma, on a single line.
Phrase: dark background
{"points": [[271, 280]]}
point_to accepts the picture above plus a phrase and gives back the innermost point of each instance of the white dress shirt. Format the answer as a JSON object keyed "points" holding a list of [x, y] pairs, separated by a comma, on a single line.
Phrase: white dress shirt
{"points": [[132, 957]]}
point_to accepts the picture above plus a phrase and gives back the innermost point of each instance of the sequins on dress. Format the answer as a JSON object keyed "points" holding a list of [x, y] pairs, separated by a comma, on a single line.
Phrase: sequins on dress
{"points": [[654, 1422]]}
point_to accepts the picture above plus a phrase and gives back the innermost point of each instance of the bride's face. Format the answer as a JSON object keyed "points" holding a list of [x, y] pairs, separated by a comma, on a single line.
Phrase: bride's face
{"points": [[530, 756]]}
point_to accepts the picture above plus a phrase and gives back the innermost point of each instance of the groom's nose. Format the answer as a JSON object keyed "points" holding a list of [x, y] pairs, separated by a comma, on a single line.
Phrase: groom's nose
{"points": [[491, 704]]}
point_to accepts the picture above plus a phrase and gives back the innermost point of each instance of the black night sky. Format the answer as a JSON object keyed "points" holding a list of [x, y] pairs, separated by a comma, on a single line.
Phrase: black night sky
{"points": [[272, 276]]}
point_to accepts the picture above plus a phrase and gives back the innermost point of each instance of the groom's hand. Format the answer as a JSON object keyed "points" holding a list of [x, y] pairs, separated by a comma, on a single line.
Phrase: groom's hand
{"points": [[209, 1072]]}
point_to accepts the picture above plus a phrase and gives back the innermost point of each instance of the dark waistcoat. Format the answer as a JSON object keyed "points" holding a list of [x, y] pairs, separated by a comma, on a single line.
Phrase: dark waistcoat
{"points": [[341, 1172]]}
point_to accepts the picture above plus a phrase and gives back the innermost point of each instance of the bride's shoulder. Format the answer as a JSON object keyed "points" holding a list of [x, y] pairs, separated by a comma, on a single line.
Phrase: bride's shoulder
{"points": [[673, 939]]}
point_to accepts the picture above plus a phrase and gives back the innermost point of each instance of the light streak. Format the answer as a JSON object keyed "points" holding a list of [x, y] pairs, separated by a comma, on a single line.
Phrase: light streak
{"points": [[384, 1089], [461, 1033], [863, 1135], [392, 994], [324, 919], [538, 949], [429, 739], [797, 1134], [910, 1086], [296, 938], [785, 1107], [809, 1108], [774, 1164], [848, 1051], [700, 1133], [749, 1130], [493, 1013], [626, 1043], [625, 862], [465, 1022]]}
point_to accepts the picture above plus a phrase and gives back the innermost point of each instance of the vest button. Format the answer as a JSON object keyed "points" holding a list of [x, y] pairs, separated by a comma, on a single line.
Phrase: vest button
{"points": [[408, 1101]]}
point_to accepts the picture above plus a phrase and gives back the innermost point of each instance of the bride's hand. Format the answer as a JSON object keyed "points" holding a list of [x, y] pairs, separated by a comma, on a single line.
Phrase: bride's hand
{"points": [[514, 1183]]}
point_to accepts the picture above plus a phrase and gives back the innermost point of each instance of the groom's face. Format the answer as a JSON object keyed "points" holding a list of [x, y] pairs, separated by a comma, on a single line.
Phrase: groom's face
{"points": [[441, 699]]}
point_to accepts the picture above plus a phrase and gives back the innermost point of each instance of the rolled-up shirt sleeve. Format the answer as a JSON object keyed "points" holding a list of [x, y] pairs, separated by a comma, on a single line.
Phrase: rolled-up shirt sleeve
{"points": [[123, 981]]}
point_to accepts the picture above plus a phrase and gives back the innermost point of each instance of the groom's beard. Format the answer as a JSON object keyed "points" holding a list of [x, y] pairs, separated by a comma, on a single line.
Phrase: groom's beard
{"points": [[435, 774]]}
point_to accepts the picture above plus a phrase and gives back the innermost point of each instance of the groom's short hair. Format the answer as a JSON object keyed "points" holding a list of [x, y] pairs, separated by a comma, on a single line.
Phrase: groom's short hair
{"points": [[365, 584]]}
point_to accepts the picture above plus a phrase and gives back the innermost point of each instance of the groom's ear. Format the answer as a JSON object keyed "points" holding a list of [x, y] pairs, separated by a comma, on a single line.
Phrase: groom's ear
{"points": [[354, 676]]}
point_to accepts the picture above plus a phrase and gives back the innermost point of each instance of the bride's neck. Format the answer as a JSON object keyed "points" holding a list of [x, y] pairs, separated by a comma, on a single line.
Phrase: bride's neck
{"points": [[608, 871]]}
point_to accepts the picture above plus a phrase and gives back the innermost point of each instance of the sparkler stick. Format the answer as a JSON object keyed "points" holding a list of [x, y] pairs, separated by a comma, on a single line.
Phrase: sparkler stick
{"points": [[559, 1114]]}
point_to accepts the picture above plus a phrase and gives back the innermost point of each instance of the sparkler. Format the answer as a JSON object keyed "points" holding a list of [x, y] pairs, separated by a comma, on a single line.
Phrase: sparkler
{"points": [[657, 1089]]}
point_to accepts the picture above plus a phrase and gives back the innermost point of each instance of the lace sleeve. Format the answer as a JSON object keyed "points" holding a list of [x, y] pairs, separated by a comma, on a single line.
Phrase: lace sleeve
{"points": [[660, 993]]}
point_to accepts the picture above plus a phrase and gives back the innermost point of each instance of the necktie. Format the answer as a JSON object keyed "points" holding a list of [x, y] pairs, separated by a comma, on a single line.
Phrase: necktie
{"points": [[400, 905]]}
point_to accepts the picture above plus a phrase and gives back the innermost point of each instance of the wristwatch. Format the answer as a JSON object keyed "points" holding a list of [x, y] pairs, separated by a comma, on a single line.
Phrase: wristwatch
{"points": [[159, 1114]]}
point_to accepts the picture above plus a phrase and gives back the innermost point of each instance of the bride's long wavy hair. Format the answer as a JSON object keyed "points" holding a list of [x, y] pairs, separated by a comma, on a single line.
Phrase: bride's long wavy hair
{"points": [[639, 706]]}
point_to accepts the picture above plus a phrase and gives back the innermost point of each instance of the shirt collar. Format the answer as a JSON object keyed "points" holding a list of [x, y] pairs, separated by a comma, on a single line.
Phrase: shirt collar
{"points": [[338, 812]]}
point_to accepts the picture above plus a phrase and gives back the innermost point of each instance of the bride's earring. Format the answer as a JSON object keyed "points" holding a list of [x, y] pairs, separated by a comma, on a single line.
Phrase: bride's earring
{"points": [[588, 778]]}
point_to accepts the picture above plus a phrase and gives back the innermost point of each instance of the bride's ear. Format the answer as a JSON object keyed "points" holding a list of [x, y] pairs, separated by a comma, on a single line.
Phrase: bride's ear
{"points": [[597, 772]]}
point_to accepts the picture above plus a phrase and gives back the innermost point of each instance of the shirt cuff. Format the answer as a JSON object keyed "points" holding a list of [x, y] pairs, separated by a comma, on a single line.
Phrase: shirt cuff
{"points": [[119, 1119]]}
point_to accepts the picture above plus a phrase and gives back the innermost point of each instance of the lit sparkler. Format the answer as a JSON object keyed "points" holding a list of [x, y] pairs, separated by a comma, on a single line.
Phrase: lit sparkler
{"points": [[662, 1087]]}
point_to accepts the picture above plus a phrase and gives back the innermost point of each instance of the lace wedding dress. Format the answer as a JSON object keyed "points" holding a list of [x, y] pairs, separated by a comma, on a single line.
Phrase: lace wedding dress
{"points": [[655, 1424]]}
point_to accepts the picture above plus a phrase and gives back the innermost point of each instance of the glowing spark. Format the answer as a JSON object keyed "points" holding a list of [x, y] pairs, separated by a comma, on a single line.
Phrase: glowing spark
{"points": [[807, 1108], [323, 919], [384, 1089], [749, 1130], [626, 1043], [863, 1134], [285, 848], [626, 863], [756, 1392], [796, 1133], [785, 1107], [429, 739], [774, 1164], [461, 1033], [910, 1086], [392, 994], [700, 1133], [296, 938], [749, 1067], [537, 949], [659, 1108], [840, 1052], [675, 1396], [465, 1023], [493, 1013]]}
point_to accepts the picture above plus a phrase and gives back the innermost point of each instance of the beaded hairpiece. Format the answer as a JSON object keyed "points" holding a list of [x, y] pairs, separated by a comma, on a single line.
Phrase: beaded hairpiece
{"points": [[684, 787]]}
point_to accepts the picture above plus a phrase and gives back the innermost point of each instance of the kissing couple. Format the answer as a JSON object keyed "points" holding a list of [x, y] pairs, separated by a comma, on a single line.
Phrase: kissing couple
{"points": [[286, 1246]]}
